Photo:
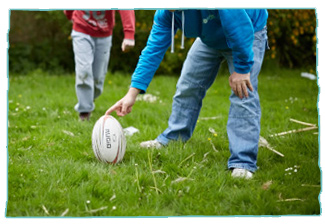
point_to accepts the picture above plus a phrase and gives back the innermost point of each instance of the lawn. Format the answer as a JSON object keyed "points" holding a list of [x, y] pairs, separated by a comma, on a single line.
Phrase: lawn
{"points": [[53, 172]]}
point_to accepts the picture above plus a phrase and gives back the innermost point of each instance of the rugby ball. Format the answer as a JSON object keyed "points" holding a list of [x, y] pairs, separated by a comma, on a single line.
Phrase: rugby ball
{"points": [[108, 140]]}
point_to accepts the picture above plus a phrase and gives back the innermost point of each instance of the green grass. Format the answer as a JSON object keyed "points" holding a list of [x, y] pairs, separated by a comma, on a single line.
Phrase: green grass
{"points": [[51, 171]]}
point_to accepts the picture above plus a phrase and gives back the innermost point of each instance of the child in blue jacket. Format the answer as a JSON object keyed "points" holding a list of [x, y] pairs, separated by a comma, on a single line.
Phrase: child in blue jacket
{"points": [[238, 36]]}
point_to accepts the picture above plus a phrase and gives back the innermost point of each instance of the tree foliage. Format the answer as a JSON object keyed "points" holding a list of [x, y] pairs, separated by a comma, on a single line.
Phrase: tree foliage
{"points": [[41, 40], [292, 37]]}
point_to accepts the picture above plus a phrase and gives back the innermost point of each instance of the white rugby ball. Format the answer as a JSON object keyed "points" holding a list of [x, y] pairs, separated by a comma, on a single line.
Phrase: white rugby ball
{"points": [[108, 140]]}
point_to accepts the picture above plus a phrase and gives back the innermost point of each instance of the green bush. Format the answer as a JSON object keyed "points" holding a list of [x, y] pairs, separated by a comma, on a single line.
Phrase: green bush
{"points": [[41, 40], [292, 37], [127, 62]]}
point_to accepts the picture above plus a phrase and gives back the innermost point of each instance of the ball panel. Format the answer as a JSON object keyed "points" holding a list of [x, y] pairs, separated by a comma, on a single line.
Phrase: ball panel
{"points": [[97, 138], [122, 142], [108, 140]]}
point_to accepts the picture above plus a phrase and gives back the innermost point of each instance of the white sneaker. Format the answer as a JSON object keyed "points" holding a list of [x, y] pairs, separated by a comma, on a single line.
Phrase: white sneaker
{"points": [[237, 172], [151, 144]]}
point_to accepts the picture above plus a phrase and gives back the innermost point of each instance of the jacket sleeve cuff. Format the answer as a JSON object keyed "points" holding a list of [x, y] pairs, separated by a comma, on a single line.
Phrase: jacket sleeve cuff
{"points": [[142, 87], [242, 70], [129, 35], [243, 67]]}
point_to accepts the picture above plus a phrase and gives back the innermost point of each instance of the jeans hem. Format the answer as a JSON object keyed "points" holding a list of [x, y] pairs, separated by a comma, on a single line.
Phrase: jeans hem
{"points": [[162, 140], [242, 167]]}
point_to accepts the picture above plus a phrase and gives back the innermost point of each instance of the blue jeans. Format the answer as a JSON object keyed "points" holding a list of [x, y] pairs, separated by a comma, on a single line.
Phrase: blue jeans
{"points": [[198, 74]]}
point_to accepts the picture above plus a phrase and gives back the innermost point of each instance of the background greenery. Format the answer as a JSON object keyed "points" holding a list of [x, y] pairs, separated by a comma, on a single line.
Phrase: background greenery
{"points": [[41, 40]]}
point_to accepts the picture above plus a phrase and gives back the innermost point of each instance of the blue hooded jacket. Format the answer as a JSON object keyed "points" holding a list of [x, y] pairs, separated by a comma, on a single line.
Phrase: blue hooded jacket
{"points": [[220, 29]]}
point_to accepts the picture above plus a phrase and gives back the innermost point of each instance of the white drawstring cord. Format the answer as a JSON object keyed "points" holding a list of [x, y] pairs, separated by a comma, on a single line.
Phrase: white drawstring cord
{"points": [[173, 32], [173, 23], [183, 30]]}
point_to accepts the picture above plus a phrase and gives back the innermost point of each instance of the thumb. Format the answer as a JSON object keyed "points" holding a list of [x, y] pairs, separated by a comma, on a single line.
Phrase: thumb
{"points": [[123, 46]]}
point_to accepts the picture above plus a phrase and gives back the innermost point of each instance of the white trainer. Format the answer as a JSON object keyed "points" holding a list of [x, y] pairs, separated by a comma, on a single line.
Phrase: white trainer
{"points": [[237, 172], [151, 144]]}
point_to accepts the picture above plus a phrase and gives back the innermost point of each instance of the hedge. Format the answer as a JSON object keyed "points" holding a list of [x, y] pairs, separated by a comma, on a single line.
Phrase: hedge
{"points": [[41, 40]]}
